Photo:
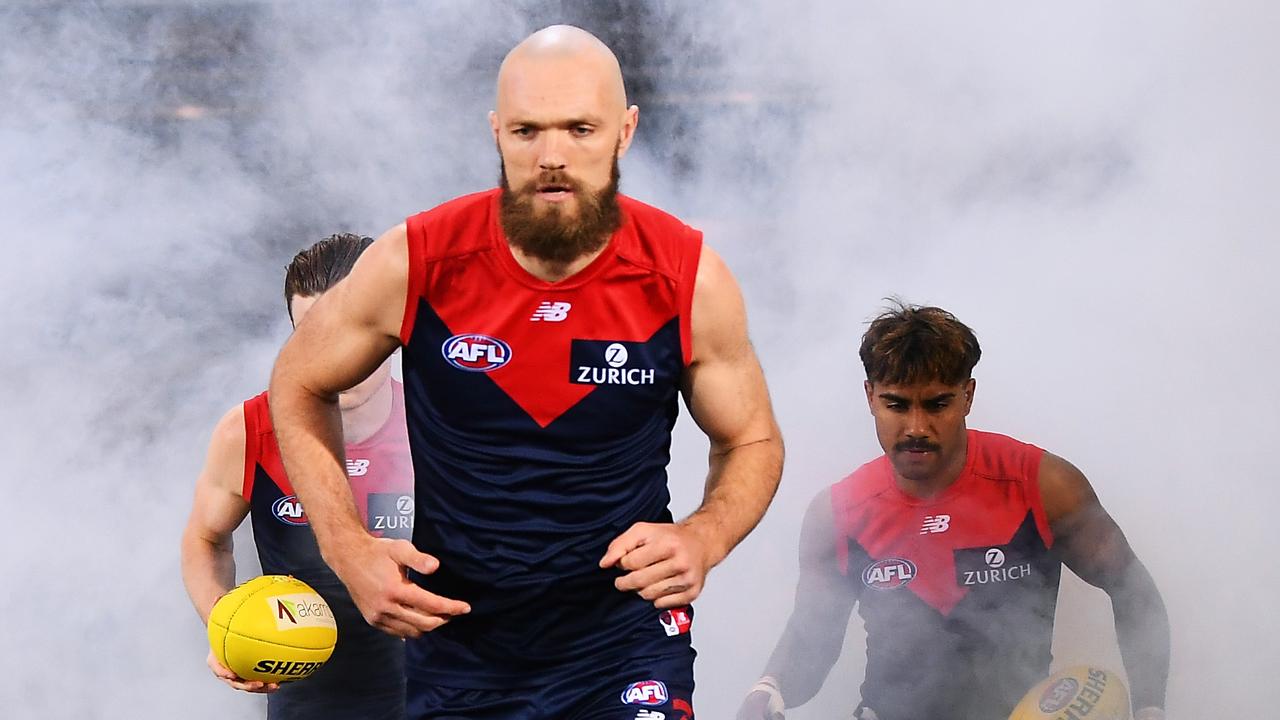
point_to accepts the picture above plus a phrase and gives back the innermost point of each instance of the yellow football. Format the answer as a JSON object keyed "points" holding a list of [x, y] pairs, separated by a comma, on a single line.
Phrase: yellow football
{"points": [[273, 628], [1076, 693]]}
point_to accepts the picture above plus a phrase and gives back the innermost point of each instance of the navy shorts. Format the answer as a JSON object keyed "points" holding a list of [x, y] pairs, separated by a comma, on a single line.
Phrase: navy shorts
{"points": [[658, 688], [292, 702]]}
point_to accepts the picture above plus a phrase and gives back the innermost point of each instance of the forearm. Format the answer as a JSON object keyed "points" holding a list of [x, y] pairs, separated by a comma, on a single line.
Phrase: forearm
{"points": [[208, 571], [308, 430], [741, 483], [802, 660], [1142, 627]]}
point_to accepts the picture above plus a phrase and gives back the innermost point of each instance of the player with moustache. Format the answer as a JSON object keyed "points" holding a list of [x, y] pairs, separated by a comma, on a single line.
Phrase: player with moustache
{"points": [[550, 327], [951, 546], [243, 477]]}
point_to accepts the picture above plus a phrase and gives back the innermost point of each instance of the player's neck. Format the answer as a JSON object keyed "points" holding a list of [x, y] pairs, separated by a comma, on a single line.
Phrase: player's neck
{"points": [[362, 421], [550, 271]]}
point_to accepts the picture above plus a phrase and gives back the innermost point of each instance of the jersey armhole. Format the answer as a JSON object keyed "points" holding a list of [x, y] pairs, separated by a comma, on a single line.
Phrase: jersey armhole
{"points": [[415, 239], [252, 449], [1032, 466], [688, 278]]}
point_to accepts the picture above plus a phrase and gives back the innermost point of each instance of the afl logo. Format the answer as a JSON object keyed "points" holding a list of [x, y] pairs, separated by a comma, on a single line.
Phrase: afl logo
{"points": [[645, 692], [1058, 695], [476, 353], [889, 573], [289, 511]]}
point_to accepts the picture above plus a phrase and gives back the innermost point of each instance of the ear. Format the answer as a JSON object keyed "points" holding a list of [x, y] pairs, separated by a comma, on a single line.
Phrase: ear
{"points": [[493, 123], [969, 388], [871, 401], [630, 119]]}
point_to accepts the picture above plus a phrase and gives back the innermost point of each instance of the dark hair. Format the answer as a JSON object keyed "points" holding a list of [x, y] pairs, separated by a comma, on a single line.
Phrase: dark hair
{"points": [[322, 265], [910, 345]]}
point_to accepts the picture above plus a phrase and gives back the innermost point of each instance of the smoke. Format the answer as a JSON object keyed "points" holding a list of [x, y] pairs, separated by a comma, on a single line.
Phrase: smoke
{"points": [[1087, 186]]}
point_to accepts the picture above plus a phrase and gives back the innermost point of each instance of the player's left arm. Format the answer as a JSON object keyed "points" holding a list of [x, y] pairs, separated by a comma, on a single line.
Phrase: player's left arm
{"points": [[727, 397], [1091, 543]]}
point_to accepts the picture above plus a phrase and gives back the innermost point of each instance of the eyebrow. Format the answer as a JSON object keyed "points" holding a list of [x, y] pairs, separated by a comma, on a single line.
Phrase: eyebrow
{"points": [[570, 123], [890, 397]]}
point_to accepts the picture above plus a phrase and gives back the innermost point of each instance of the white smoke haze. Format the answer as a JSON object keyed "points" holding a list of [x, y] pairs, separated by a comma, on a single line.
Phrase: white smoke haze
{"points": [[1088, 186]]}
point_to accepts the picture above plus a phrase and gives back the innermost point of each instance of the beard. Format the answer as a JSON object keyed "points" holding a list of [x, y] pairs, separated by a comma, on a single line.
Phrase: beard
{"points": [[552, 234]]}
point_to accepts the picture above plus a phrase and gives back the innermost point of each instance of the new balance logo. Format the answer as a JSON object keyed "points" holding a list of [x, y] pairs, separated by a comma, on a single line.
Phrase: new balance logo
{"points": [[935, 524], [551, 312], [358, 467]]}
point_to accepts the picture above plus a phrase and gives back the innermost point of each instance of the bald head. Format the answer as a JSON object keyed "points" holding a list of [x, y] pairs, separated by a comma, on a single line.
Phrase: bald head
{"points": [[561, 124], [564, 47]]}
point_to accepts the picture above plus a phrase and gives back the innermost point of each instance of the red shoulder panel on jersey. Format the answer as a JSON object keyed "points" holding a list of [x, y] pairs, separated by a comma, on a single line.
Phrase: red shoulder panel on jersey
{"points": [[256, 416], [260, 448], [452, 228], [668, 246], [1005, 457]]}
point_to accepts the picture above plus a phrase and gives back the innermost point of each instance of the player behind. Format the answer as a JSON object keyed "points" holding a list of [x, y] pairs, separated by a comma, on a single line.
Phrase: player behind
{"points": [[951, 546], [550, 326], [243, 476]]}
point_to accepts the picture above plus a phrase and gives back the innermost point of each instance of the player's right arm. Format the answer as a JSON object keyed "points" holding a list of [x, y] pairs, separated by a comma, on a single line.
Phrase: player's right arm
{"points": [[814, 634], [348, 333], [208, 566]]}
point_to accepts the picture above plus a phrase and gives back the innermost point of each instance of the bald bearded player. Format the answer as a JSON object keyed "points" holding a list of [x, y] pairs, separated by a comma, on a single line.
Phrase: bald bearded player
{"points": [[549, 326]]}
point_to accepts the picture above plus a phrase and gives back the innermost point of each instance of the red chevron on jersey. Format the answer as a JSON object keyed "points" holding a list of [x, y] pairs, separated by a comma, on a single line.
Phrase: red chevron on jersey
{"points": [[548, 345]]}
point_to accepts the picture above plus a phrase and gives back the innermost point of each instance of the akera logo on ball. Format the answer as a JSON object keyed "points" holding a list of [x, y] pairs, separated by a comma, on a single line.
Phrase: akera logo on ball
{"points": [[645, 692], [1058, 695], [289, 511], [476, 353], [889, 573], [301, 610]]}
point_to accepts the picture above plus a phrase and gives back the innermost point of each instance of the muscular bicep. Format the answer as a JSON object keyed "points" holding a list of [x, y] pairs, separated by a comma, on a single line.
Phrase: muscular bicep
{"points": [[219, 506], [354, 326], [724, 386], [1085, 536]]}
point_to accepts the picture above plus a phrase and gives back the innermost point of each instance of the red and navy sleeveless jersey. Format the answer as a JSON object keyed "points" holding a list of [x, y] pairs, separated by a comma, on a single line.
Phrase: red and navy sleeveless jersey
{"points": [[957, 592], [381, 476], [540, 419]]}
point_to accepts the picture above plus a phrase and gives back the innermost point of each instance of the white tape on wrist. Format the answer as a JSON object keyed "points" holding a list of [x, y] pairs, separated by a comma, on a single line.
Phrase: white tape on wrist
{"points": [[769, 686]]}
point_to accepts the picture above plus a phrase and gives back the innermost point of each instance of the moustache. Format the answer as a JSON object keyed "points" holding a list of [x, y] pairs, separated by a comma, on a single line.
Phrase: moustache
{"points": [[917, 446], [551, 180]]}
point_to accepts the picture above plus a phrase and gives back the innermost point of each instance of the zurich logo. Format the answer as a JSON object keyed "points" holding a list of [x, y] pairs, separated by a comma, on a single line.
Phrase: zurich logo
{"points": [[616, 355], [476, 353]]}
